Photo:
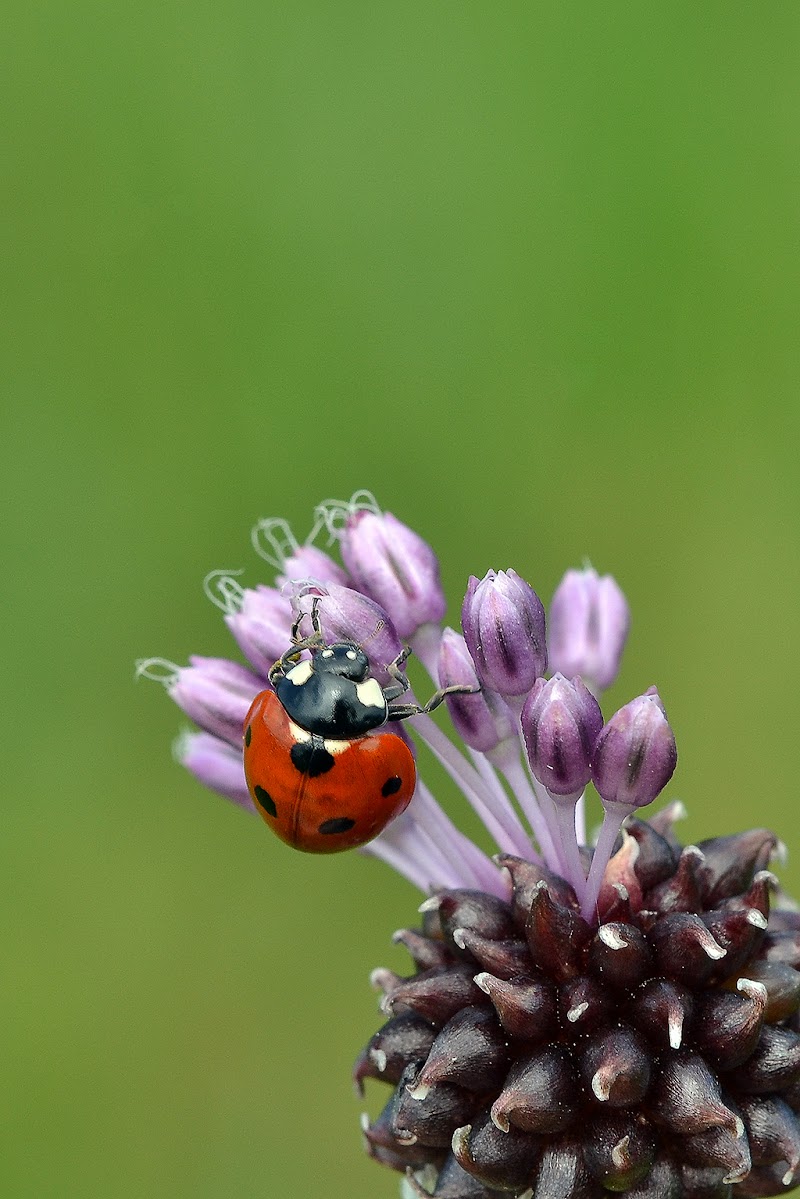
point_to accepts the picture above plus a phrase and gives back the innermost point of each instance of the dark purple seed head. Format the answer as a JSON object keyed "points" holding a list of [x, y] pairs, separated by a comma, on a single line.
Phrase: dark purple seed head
{"points": [[561, 721], [655, 1055], [504, 627]]}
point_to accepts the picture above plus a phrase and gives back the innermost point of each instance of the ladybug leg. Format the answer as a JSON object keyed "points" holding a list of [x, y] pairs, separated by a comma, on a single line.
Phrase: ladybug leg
{"points": [[403, 711], [315, 624], [315, 640], [395, 670], [291, 657]]}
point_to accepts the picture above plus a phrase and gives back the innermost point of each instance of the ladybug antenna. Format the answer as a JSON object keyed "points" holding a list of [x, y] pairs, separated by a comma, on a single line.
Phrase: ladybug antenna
{"points": [[378, 627]]}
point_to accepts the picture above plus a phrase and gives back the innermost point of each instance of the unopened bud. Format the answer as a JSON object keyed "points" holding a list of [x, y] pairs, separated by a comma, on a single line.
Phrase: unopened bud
{"points": [[392, 563], [561, 721], [482, 719], [635, 754], [504, 628], [589, 620]]}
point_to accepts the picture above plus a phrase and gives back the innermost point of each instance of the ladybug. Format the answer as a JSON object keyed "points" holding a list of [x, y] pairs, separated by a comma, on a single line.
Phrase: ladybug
{"points": [[322, 769]]}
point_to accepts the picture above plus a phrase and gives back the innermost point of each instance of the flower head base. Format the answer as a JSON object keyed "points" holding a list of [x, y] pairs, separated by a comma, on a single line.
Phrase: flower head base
{"points": [[581, 1021]]}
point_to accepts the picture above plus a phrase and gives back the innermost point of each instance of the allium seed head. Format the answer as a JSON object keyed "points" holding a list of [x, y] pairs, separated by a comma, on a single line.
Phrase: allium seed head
{"points": [[579, 1021]]}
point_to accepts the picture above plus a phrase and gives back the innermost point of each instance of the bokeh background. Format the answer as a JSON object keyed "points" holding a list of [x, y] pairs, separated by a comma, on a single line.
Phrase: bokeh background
{"points": [[528, 271]]}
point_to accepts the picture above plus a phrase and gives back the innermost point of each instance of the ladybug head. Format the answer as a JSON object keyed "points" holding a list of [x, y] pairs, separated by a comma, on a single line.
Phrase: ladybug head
{"points": [[344, 659]]}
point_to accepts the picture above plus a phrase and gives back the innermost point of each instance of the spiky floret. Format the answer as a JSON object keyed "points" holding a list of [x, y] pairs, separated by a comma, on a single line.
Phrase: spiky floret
{"points": [[655, 1053]]}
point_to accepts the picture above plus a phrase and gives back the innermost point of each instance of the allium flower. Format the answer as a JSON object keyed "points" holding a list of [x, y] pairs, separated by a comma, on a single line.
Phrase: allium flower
{"points": [[579, 1021]]}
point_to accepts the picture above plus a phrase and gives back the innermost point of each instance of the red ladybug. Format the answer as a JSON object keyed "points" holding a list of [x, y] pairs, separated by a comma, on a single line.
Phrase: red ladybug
{"points": [[319, 771]]}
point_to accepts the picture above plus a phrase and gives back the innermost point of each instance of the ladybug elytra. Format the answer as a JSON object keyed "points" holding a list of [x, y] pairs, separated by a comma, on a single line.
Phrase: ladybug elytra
{"points": [[323, 771]]}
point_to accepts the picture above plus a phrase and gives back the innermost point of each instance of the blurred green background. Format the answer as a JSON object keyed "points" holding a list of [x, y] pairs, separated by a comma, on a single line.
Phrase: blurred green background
{"points": [[531, 273]]}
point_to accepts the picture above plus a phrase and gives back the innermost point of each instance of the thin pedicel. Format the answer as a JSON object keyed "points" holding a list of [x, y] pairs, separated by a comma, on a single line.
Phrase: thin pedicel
{"points": [[580, 1021]]}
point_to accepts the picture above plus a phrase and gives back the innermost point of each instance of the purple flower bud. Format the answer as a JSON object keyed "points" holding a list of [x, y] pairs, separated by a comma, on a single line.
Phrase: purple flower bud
{"points": [[561, 721], [310, 562], [589, 620], [216, 764], [274, 540], [347, 615], [504, 628], [261, 626], [482, 720], [389, 561], [216, 694], [635, 754]]}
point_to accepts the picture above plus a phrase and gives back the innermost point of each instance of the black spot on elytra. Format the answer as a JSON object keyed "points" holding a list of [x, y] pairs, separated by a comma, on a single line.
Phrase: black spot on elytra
{"points": [[311, 757], [391, 786], [338, 824], [265, 800], [248, 733]]}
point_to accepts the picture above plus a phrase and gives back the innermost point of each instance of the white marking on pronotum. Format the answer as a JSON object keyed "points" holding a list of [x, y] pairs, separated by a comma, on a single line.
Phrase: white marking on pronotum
{"points": [[327, 653], [297, 733], [576, 1012], [611, 937], [336, 747], [369, 694], [619, 1154], [300, 673], [352, 655]]}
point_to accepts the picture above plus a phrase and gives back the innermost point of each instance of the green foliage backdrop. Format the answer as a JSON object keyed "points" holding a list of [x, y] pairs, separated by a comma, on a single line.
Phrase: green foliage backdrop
{"points": [[528, 271]]}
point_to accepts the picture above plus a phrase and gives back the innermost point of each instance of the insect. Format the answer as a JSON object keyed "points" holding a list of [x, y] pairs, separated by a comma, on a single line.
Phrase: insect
{"points": [[322, 769]]}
